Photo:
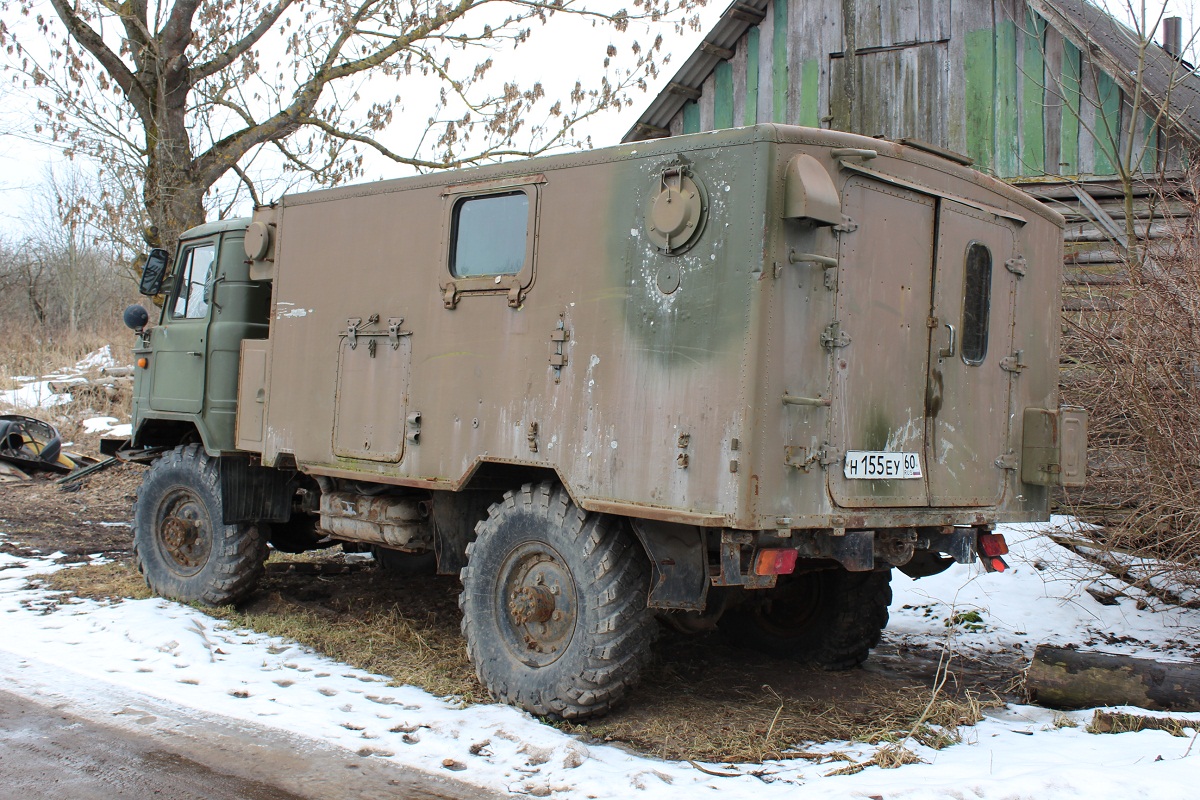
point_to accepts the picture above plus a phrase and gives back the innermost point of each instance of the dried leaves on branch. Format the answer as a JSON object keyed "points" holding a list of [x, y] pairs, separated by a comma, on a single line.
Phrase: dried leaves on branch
{"points": [[1133, 360], [177, 95]]}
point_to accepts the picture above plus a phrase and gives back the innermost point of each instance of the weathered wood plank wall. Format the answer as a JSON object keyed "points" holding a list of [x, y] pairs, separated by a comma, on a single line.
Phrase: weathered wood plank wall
{"points": [[988, 78]]}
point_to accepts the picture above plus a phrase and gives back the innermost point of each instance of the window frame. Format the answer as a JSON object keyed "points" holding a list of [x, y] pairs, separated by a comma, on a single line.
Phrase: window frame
{"points": [[182, 262], [513, 285], [987, 305]]}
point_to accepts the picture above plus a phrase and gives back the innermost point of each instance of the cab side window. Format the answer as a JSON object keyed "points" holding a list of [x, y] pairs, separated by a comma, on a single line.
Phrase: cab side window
{"points": [[489, 235], [977, 301], [191, 297]]}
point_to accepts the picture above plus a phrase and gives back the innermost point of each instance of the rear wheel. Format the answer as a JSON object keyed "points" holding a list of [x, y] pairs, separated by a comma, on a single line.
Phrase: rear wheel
{"points": [[554, 605], [832, 618], [181, 544]]}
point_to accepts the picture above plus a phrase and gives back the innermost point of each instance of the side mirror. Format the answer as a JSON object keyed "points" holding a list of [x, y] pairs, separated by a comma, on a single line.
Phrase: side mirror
{"points": [[153, 272]]}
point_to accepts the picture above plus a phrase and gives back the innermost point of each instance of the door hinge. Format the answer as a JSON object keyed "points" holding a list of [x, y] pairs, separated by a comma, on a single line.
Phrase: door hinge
{"points": [[1007, 461], [394, 332], [559, 336], [1016, 266], [833, 336], [847, 225], [1014, 363], [352, 326]]}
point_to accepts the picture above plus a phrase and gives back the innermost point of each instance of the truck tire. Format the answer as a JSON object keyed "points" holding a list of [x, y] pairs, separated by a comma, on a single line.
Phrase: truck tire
{"points": [[831, 618], [180, 544], [554, 605]]}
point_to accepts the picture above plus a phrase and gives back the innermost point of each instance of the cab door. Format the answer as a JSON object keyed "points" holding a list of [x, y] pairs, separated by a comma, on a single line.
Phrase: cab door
{"points": [[970, 369], [179, 343]]}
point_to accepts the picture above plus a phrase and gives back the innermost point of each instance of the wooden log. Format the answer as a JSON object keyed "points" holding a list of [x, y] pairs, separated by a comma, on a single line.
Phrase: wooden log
{"points": [[1071, 679]]}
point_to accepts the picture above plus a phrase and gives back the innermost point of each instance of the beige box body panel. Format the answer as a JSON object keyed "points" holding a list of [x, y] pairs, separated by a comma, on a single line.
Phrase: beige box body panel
{"points": [[670, 400]]}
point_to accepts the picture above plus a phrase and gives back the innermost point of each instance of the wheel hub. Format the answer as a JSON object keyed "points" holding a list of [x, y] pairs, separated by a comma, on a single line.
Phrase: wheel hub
{"points": [[183, 534], [538, 602], [531, 604]]}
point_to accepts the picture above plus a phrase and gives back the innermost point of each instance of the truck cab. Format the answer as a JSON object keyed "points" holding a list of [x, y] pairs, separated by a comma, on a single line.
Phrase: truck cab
{"points": [[185, 387]]}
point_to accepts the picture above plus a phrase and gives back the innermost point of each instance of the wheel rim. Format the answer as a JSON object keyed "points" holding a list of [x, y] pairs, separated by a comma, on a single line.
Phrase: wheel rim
{"points": [[792, 609], [183, 532], [536, 604]]}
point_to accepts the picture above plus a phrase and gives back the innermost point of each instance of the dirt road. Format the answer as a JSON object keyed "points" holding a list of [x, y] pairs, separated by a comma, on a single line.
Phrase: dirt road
{"points": [[49, 753]]}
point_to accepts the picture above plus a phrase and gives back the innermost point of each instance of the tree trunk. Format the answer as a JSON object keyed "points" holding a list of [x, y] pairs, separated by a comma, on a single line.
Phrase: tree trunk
{"points": [[1069, 679]]}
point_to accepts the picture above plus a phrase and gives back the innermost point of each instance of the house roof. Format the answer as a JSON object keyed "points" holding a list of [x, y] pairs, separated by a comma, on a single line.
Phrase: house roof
{"points": [[717, 46], [1108, 43], [1167, 82]]}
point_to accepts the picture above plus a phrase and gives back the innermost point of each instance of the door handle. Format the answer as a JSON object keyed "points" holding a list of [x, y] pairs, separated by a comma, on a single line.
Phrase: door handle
{"points": [[195, 353], [948, 350]]}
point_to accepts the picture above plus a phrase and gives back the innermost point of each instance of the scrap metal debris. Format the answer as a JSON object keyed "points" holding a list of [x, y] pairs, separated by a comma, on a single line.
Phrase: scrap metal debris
{"points": [[29, 445]]}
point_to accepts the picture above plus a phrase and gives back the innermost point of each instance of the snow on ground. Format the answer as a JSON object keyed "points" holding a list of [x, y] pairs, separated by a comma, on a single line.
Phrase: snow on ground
{"points": [[36, 392], [177, 654], [108, 425]]}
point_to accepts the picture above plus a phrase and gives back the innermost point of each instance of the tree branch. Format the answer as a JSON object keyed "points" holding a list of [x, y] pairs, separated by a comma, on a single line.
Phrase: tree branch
{"points": [[239, 48], [112, 63]]}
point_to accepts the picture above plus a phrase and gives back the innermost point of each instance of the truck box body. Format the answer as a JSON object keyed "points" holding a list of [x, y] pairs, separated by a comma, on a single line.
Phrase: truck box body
{"points": [[720, 383]]}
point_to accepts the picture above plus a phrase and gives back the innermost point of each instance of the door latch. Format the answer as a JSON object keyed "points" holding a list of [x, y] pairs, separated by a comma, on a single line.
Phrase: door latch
{"points": [[833, 336]]}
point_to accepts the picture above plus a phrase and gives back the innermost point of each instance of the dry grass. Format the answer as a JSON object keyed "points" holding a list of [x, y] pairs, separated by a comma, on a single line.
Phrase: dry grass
{"points": [[37, 351], [1134, 363], [699, 699], [116, 580], [1119, 722]]}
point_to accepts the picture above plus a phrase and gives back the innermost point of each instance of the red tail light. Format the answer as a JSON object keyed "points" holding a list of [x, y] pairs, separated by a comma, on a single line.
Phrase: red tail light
{"points": [[775, 562], [993, 544]]}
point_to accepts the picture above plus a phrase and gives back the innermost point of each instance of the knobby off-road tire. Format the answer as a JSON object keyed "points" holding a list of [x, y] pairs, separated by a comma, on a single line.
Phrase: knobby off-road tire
{"points": [[554, 605], [182, 547], [831, 618]]}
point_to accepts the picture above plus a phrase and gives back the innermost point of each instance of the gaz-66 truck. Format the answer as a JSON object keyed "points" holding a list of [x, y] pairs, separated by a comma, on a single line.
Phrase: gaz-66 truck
{"points": [[729, 379]]}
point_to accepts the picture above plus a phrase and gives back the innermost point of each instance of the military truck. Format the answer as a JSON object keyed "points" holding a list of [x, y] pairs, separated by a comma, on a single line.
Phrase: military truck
{"points": [[726, 380]]}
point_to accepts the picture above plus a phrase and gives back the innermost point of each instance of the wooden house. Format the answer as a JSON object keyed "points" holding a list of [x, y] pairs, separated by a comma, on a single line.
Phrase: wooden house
{"points": [[1053, 95]]}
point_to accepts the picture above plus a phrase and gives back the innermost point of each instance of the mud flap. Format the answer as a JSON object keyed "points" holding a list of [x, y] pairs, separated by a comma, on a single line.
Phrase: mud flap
{"points": [[680, 564], [251, 492]]}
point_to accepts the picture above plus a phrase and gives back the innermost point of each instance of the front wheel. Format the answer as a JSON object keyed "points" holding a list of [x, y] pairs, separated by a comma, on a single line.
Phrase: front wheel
{"points": [[181, 544], [554, 605], [831, 618]]}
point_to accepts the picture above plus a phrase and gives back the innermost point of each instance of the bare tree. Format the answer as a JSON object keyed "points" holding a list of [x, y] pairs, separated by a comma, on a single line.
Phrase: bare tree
{"points": [[174, 95]]}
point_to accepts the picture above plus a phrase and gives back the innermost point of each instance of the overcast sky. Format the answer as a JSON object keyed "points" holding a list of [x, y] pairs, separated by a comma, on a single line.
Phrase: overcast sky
{"points": [[557, 55]]}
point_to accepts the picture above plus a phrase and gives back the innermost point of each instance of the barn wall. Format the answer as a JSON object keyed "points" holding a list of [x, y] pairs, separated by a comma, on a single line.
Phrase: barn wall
{"points": [[987, 78]]}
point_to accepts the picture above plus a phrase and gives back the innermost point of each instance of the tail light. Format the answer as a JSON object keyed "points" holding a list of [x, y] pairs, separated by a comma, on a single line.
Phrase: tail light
{"points": [[991, 547], [775, 562]]}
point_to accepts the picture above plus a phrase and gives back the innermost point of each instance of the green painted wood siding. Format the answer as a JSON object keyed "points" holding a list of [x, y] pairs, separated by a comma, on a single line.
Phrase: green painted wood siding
{"points": [[779, 62], [723, 96], [979, 83], [1033, 96], [691, 117], [1106, 132]]}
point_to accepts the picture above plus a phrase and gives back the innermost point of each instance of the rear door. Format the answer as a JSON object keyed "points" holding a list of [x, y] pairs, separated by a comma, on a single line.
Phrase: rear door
{"points": [[973, 312], [880, 341]]}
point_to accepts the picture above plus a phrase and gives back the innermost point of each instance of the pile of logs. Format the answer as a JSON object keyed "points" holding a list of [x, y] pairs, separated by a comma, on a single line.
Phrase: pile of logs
{"points": [[113, 385]]}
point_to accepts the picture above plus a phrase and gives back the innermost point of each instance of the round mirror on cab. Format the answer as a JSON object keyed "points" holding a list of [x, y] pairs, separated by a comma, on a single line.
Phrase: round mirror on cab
{"points": [[136, 317]]}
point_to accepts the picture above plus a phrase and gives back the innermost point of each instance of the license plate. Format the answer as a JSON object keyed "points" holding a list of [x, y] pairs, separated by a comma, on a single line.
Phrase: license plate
{"points": [[878, 466]]}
